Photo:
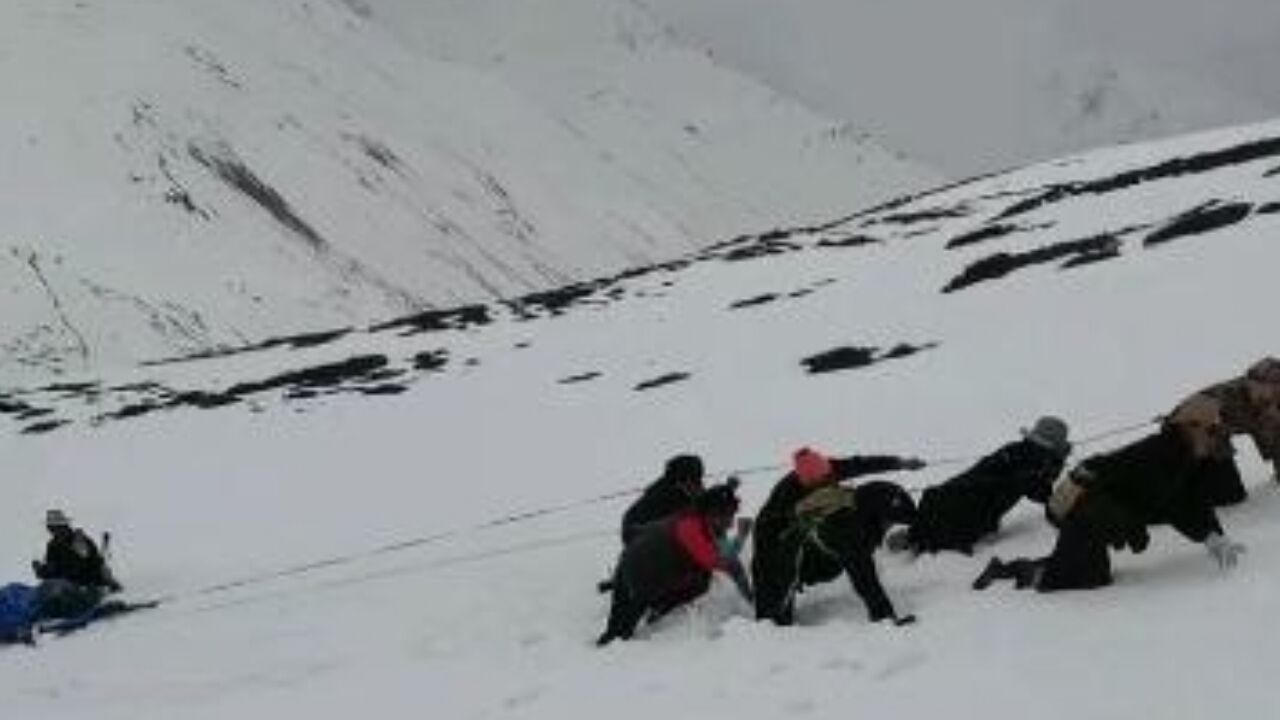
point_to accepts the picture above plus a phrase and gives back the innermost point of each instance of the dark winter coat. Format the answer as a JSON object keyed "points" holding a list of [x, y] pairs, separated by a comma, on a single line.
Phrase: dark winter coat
{"points": [[969, 506], [1154, 481], [73, 556], [662, 499], [668, 557], [778, 511], [667, 564], [790, 555]]}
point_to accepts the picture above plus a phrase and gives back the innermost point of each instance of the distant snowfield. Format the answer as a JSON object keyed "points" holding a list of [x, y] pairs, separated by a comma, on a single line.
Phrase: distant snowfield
{"points": [[987, 84], [183, 176], [1133, 276]]}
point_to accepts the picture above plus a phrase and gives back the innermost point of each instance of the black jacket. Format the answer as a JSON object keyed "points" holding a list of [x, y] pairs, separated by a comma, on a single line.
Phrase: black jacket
{"points": [[74, 557], [776, 514], [969, 506], [1157, 481], [663, 498]]}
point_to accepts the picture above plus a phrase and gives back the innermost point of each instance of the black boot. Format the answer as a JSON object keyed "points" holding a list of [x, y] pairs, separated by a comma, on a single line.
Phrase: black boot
{"points": [[997, 569]]}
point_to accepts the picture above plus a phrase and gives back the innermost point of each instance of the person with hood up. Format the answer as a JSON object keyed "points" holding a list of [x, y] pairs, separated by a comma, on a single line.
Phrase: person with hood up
{"points": [[680, 483], [669, 563], [812, 528]]}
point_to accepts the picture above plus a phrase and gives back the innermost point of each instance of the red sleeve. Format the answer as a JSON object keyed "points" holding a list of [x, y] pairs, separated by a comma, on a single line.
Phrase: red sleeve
{"points": [[691, 532]]}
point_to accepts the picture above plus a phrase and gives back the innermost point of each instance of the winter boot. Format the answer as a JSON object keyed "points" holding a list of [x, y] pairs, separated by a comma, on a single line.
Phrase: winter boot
{"points": [[997, 569]]}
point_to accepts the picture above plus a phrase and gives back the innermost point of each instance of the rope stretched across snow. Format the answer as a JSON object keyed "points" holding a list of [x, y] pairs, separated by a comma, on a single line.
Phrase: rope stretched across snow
{"points": [[536, 513]]}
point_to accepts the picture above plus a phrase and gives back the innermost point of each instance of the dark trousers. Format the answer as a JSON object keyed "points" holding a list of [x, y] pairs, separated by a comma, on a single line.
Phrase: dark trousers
{"points": [[629, 604], [796, 559]]}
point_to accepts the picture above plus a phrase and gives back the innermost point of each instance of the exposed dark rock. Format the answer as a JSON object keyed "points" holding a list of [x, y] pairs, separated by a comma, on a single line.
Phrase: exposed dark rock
{"points": [[579, 378], [1001, 264], [762, 246], [238, 175], [1205, 218], [661, 380], [754, 301], [987, 232], [850, 241], [1269, 208], [383, 389], [926, 215], [1177, 167], [459, 318], [555, 302], [851, 357], [431, 360], [43, 427]]}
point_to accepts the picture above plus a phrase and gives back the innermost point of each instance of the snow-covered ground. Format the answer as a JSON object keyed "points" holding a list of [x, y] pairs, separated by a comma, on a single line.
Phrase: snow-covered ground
{"points": [[180, 175], [985, 84], [395, 465]]}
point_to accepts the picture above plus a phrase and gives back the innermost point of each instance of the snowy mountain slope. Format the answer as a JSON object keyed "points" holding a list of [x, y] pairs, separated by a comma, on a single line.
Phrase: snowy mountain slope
{"points": [[427, 597], [988, 84], [186, 176]]}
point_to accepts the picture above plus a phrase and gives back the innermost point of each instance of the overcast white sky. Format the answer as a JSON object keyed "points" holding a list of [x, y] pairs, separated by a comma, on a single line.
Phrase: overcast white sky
{"points": [[980, 84]]}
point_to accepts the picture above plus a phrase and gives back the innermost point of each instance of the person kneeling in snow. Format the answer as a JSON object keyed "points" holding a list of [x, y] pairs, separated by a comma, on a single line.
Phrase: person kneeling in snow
{"points": [[1110, 500], [969, 506], [812, 528], [669, 563], [72, 556]]}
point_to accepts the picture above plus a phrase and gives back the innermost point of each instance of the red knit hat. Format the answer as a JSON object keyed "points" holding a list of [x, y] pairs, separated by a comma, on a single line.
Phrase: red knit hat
{"points": [[811, 466]]}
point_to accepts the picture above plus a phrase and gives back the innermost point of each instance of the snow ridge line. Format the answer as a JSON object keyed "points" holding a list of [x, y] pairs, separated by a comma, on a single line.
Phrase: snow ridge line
{"points": [[527, 515]]}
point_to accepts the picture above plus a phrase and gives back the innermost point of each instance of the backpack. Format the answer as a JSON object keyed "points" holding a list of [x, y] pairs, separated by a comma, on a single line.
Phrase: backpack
{"points": [[18, 610], [821, 504]]}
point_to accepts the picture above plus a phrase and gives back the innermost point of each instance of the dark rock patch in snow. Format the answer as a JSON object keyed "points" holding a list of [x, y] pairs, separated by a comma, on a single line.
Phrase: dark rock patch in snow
{"points": [[855, 240], [761, 246], [240, 177], [1001, 264], [754, 301], [43, 427], [459, 318], [580, 378], [851, 357], [1269, 209], [1205, 218], [431, 360], [661, 380], [1177, 167], [926, 215], [555, 302]]}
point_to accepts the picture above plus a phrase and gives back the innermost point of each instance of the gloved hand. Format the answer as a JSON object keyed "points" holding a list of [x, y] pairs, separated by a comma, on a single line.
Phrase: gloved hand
{"points": [[1223, 549], [912, 463], [37, 567]]}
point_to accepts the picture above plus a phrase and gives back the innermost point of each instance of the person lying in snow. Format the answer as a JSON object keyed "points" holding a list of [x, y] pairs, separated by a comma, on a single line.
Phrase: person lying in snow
{"points": [[1110, 500], [811, 529], [969, 506], [72, 556], [53, 605], [1247, 405], [669, 563]]}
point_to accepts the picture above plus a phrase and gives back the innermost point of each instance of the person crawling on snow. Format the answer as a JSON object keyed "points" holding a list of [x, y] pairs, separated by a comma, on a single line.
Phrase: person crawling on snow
{"points": [[669, 563]]}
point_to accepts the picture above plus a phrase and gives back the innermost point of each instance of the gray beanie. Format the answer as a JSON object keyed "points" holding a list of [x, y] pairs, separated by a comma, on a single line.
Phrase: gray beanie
{"points": [[1050, 432]]}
